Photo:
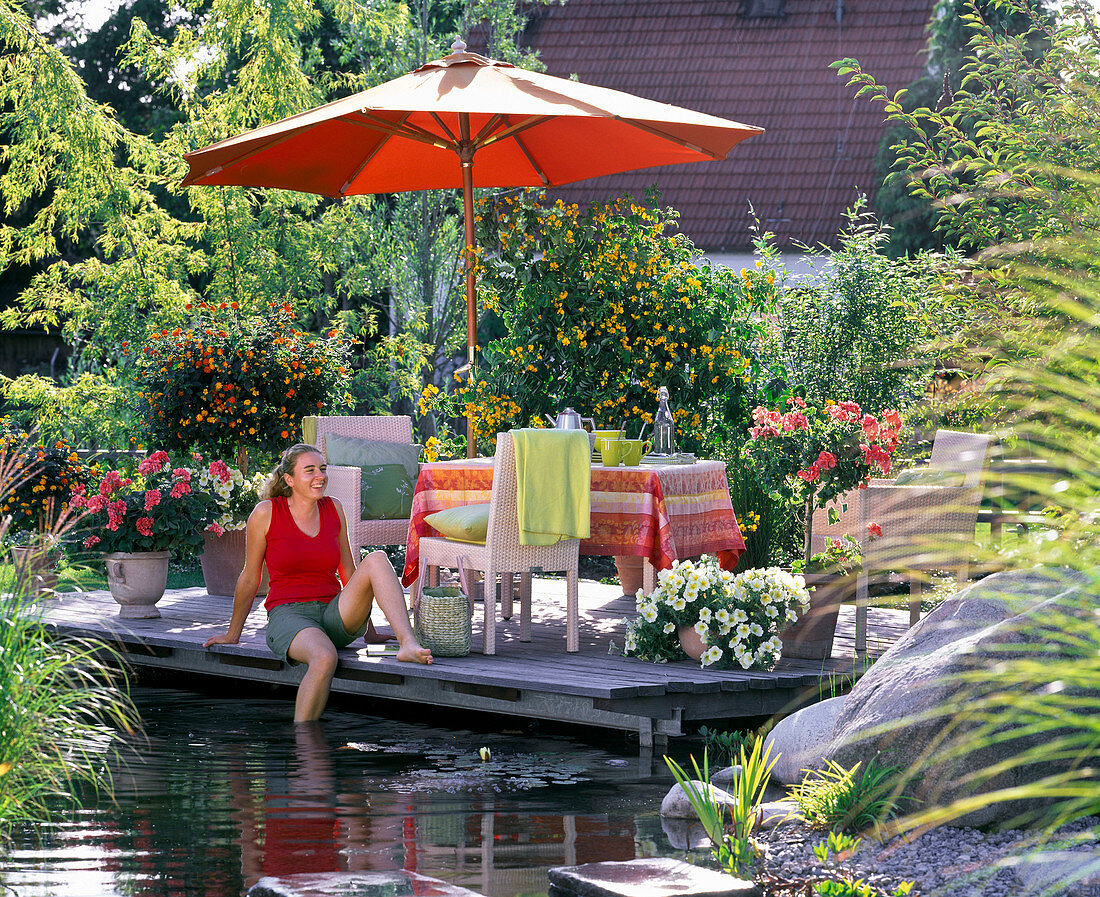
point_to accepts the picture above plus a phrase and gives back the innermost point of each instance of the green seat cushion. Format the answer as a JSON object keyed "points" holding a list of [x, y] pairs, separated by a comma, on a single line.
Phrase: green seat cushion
{"points": [[348, 451], [385, 492], [466, 523], [929, 476]]}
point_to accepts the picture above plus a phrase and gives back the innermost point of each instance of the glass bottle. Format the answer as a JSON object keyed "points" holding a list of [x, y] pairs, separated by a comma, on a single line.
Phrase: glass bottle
{"points": [[664, 428]]}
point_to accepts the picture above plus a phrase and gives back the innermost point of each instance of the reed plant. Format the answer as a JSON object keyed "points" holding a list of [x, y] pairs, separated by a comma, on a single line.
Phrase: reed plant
{"points": [[1011, 164], [65, 706]]}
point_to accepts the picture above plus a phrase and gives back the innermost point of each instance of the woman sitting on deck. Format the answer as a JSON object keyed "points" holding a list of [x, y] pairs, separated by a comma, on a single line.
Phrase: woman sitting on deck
{"points": [[302, 536]]}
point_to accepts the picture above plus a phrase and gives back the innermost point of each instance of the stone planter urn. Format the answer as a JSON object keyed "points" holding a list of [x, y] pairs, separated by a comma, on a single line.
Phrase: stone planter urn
{"points": [[810, 637], [137, 581], [35, 568], [691, 642], [222, 561]]}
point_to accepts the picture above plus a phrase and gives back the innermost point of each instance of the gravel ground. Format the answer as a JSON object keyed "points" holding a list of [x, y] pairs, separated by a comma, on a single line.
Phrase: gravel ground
{"points": [[960, 862]]}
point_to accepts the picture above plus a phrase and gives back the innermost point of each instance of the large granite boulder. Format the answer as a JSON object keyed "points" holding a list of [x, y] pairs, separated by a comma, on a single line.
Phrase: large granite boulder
{"points": [[798, 741], [913, 706]]}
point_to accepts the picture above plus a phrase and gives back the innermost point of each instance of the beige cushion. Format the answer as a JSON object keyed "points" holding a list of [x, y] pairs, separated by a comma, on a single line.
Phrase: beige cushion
{"points": [[466, 523]]}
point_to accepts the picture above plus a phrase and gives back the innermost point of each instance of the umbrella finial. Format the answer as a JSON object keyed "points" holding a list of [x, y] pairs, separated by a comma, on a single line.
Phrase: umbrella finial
{"points": [[459, 46]]}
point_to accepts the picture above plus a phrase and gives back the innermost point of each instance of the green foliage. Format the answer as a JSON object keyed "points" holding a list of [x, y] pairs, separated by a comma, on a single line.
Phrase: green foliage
{"points": [[848, 800], [726, 746], [65, 707], [859, 327], [603, 306], [226, 380], [843, 555], [91, 410], [733, 846], [912, 219], [833, 850]]}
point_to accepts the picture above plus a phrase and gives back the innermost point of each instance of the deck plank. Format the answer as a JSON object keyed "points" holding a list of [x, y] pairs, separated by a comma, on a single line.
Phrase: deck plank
{"points": [[595, 686]]}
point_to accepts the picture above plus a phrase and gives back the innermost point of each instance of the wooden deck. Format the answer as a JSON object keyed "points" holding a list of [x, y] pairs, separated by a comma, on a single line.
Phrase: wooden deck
{"points": [[595, 687]]}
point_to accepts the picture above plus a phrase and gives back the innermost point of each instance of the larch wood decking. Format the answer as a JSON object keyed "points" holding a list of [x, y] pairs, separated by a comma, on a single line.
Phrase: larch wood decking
{"points": [[537, 679]]}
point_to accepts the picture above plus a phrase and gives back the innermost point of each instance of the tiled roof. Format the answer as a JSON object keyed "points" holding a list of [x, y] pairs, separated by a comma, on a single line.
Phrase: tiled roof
{"points": [[819, 146]]}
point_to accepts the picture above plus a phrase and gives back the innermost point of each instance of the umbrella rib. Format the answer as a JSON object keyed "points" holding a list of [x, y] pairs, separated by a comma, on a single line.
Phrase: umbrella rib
{"points": [[670, 137], [535, 165], [402, 129], [446, 130], [514, 129], [489, 125], [244, 157]]}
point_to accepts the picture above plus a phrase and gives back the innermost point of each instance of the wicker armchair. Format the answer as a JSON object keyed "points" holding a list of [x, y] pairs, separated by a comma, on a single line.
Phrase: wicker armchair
{"points": [[343, 482], [502, 554], [924, 527]]}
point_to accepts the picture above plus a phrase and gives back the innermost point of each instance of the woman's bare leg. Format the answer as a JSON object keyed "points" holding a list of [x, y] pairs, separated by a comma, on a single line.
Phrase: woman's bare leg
{"points": [[375, 580], [315, 649]]}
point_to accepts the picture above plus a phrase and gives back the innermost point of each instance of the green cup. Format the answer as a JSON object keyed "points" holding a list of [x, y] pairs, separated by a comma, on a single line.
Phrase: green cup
{"points": [[631, 451], [611, 451], [601, 435]]}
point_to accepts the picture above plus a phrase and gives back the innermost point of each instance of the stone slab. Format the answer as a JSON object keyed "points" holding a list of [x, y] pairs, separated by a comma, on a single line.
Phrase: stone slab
{"points": [[356, 884], [654, 877]]}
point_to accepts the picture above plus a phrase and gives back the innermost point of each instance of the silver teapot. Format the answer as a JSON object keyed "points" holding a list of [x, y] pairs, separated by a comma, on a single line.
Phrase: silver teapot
{"points": [[569, 420]]}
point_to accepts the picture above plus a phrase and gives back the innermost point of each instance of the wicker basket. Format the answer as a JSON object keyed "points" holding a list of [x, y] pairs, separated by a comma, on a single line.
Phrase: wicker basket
{"points": [[443, 621]]}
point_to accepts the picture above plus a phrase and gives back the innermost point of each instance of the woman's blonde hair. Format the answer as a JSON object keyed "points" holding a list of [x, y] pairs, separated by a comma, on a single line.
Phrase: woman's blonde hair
{"points": [[275, 484]]}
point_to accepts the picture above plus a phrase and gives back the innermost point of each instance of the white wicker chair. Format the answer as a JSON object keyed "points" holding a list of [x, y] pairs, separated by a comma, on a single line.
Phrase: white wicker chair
{"points": [[502, 554], [343, 482], [924, 527]]}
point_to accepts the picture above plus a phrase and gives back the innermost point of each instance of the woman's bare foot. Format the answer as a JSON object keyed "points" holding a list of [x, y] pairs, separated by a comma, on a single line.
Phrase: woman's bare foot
{"points": [[373, 637], [413, 652]]}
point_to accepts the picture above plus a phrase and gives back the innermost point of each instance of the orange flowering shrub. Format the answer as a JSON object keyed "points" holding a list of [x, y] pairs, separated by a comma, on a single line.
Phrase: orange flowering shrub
{"points": [[225, 381], [39, 497], [602, 307]]}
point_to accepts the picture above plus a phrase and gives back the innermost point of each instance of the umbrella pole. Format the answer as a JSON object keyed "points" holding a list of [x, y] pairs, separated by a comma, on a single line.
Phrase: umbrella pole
{"points": [[466, 160]]}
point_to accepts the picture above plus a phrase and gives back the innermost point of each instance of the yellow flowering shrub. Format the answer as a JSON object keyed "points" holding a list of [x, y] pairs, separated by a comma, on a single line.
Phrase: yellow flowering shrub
{"points": [[603, 306]]}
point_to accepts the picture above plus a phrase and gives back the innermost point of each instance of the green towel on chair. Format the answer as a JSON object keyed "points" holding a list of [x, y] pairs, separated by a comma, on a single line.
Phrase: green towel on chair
{"points": [[553, 476]]}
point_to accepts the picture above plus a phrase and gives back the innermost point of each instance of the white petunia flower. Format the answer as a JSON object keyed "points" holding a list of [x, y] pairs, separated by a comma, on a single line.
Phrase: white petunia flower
{"points": [[669, 628], [678, 603], [712, 655], [701, 629], [704, 614], [743, 631], [739, 615], [756, 629], [649, 613]]}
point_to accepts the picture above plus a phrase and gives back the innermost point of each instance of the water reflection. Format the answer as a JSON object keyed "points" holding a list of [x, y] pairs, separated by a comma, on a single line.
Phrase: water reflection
{"points": [[225, 792]]}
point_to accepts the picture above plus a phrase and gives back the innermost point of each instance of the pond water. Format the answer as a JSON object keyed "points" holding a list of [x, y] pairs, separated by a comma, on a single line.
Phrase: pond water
{"points": [[223, 791]]}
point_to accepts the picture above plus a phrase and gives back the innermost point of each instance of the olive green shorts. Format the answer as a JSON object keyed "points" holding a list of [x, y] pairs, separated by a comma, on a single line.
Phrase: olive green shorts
{"points": [[286, 620]]}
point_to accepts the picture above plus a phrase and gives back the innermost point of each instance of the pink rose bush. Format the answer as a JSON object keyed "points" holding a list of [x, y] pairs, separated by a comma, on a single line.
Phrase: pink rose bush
{"points": [[156, 509], [812, 454]]}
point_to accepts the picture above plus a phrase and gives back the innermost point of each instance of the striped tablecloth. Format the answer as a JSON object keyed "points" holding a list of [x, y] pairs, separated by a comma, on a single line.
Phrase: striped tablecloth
{"points": [[663, 513]]}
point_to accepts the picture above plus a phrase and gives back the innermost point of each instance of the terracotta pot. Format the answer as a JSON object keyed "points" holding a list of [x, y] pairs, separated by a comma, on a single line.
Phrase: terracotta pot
{"points": [[222, 561], [35, 568], [810, 637], [691, 642], [137, 581], [630, 569]]}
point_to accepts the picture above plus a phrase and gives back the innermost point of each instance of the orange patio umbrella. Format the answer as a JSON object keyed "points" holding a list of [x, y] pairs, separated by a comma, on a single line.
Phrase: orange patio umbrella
{"points": [[425, 131]]}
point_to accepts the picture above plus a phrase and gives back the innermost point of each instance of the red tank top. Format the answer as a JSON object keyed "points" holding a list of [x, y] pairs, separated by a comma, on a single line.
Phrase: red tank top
{"points": [[301, 567]]}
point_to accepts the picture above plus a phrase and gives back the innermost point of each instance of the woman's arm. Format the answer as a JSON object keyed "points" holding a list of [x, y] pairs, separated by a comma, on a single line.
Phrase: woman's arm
{"points": [[347, 562], [248, 583]]}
